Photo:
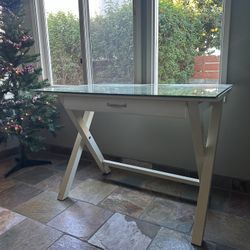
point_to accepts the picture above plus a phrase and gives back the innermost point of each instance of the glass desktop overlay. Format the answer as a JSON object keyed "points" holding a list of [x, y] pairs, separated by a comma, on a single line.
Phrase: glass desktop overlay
{"points": [[163, 90]]}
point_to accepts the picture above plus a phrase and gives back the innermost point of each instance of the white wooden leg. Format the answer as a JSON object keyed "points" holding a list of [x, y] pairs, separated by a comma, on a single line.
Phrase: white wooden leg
{"points": [[197, 135], [206, 175], [74, 160], [88, 140]]}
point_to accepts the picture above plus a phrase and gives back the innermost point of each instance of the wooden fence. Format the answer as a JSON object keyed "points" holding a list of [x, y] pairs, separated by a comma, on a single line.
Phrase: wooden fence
{"points": [[207, 67]]}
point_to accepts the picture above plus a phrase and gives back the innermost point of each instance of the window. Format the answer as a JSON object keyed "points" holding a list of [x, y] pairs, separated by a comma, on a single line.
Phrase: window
{"points": [[64, 41], [111, 36], [110, 27], [136, 41], [190, 41]]}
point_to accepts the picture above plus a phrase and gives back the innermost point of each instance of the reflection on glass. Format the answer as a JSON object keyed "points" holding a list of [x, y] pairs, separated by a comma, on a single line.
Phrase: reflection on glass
{"points": [[111, 34], [64, 41]]}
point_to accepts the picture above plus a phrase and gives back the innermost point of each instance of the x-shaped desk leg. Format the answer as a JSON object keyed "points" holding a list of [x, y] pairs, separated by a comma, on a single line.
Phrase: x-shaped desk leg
{"points": [[84, 137], [205, 156]]}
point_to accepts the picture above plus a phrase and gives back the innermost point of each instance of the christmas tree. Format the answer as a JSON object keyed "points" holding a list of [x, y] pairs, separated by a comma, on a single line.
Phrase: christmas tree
{"points": [[23, 112]]}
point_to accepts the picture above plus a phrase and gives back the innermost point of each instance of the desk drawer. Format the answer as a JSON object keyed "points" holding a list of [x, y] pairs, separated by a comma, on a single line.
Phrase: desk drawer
{"points": [[126, 105]]}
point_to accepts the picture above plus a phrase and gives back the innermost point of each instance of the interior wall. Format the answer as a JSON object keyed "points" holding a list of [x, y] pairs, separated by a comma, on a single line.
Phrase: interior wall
{"points": [[234, 147], [8, 145]]}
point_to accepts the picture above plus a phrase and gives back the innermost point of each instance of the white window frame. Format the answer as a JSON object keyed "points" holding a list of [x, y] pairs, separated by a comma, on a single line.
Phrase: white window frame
{"points": [[225, 37], [145, 40], [40, 34], [85, 42]]}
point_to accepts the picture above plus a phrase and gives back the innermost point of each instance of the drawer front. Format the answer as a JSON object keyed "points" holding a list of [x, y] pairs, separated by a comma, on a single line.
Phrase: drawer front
{"points": [[112, 104]]}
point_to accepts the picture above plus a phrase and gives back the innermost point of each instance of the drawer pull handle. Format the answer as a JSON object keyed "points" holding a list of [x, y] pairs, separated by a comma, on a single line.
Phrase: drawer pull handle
{"points": [[115, 105]]}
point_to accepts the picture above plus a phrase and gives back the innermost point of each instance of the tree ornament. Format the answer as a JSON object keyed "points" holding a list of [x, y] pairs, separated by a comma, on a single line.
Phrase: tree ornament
{"points": [[19, 71]]}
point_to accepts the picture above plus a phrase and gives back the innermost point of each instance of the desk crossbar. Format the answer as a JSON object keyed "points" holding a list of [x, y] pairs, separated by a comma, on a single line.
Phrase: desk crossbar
{"points": [[152, 172]]}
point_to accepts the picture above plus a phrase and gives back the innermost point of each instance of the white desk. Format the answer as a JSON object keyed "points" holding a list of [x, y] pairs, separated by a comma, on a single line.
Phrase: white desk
{"points": [[170, 100]]}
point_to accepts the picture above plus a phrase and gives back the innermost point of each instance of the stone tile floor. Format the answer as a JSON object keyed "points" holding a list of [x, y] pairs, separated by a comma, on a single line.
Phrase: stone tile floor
{"points": [[119, 211]]}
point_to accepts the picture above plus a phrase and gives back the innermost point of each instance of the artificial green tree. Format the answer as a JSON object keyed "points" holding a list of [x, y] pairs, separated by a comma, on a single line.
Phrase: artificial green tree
{"points": [[24, 113]]}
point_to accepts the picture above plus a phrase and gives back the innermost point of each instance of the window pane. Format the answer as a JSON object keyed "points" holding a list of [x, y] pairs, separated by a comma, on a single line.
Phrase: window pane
{"points": [[111, 33], [64, 41], [189, 41]]}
